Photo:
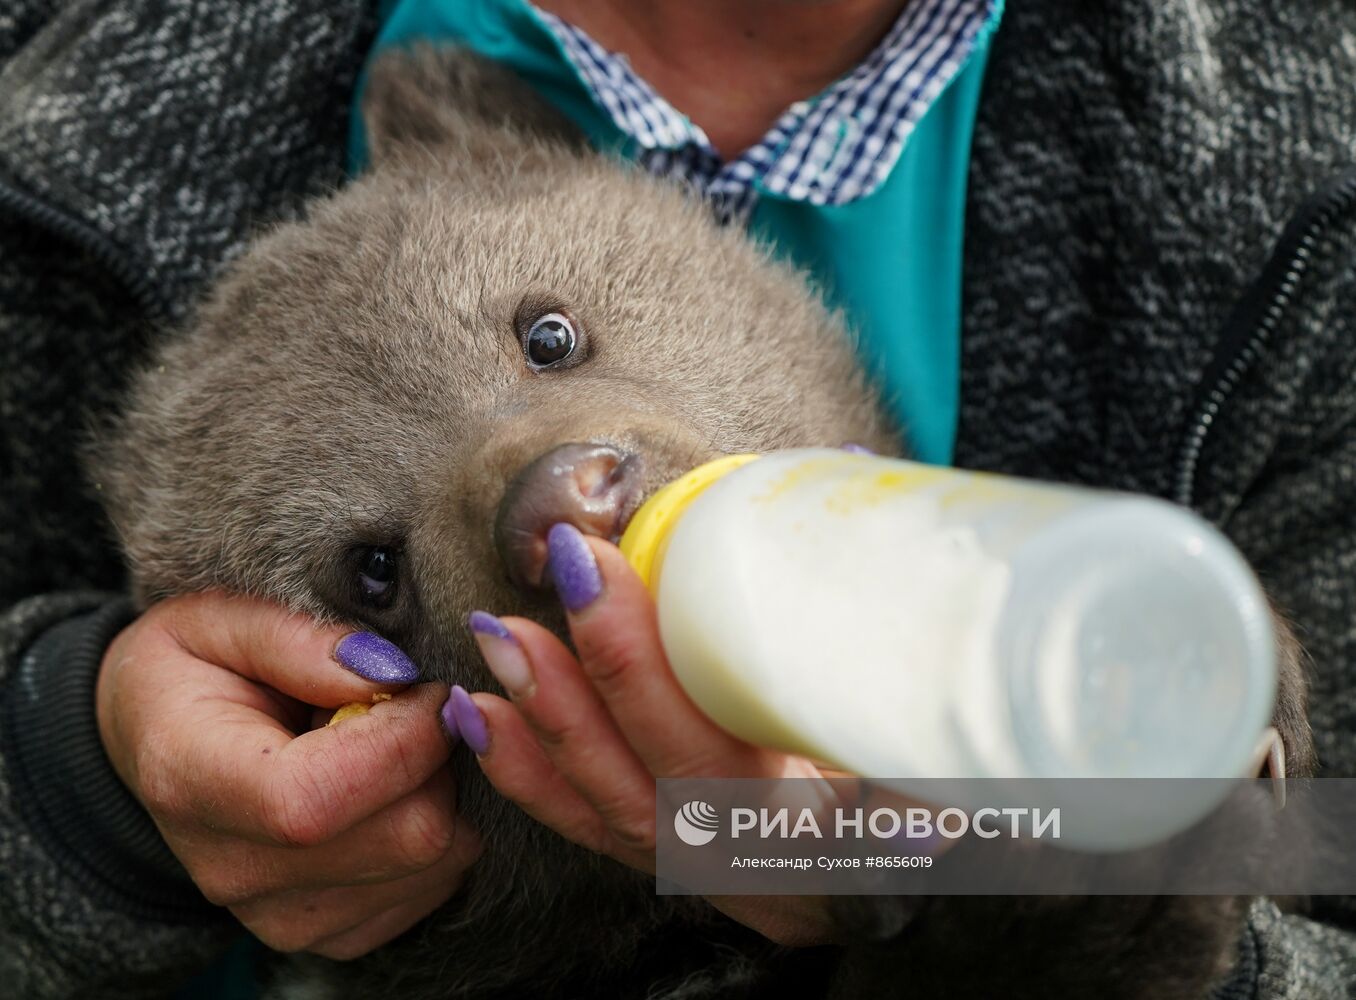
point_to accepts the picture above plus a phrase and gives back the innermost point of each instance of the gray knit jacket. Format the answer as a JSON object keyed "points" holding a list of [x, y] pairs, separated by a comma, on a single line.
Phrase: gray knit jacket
{"points": [[1160, 295]]}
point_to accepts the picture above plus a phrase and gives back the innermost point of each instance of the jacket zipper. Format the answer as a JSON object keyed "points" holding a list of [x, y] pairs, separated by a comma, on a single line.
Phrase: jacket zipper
{"points": [[133, 277], [1256, 318]]}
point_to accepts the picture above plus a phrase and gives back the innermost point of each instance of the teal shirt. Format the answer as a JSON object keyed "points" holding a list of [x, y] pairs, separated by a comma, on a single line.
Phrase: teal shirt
{"points": [[891, 261]]}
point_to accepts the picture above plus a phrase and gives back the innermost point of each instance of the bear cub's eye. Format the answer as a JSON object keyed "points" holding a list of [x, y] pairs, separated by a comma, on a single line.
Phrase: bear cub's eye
{"points": [[550, 340], [377, 570]]}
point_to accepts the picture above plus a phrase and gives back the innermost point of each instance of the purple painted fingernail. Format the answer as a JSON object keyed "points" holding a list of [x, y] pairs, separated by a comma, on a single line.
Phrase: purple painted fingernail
{"points": [[504, 655], [371, 657], [470, 723], [857, 449], [450, 721], [572, 567], [484, 623]]}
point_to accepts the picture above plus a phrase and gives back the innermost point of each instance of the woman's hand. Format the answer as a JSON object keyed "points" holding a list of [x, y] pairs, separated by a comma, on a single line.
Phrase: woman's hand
{"points": [[332, 840], [583, 740]]}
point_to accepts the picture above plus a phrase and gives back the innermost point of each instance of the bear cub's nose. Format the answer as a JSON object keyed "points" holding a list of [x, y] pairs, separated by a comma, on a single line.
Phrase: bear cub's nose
{"points": [[595, 487]]}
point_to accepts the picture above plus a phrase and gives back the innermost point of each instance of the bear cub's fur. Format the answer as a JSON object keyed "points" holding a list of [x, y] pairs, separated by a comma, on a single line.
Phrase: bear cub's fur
{"points": [[358, 379]]}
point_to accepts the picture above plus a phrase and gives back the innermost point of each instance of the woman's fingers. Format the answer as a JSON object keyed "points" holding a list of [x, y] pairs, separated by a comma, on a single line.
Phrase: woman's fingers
{"points": [[522, 772], [224, 767], [304, 837], [405, 838], [583, 740], [201, 744], [615, 629], [569, 721], [582, 743], [288, 652]]}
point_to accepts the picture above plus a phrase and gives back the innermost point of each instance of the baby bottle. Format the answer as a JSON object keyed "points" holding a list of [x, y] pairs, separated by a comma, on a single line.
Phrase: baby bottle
{"points": [[903, 621]]}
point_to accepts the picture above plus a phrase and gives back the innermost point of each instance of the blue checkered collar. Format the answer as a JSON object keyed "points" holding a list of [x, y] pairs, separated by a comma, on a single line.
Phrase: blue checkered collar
{"points": [[830, 150]]}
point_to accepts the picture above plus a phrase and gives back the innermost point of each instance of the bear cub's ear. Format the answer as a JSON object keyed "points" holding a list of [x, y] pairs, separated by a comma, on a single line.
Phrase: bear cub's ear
{"points": [[449, 101]]}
